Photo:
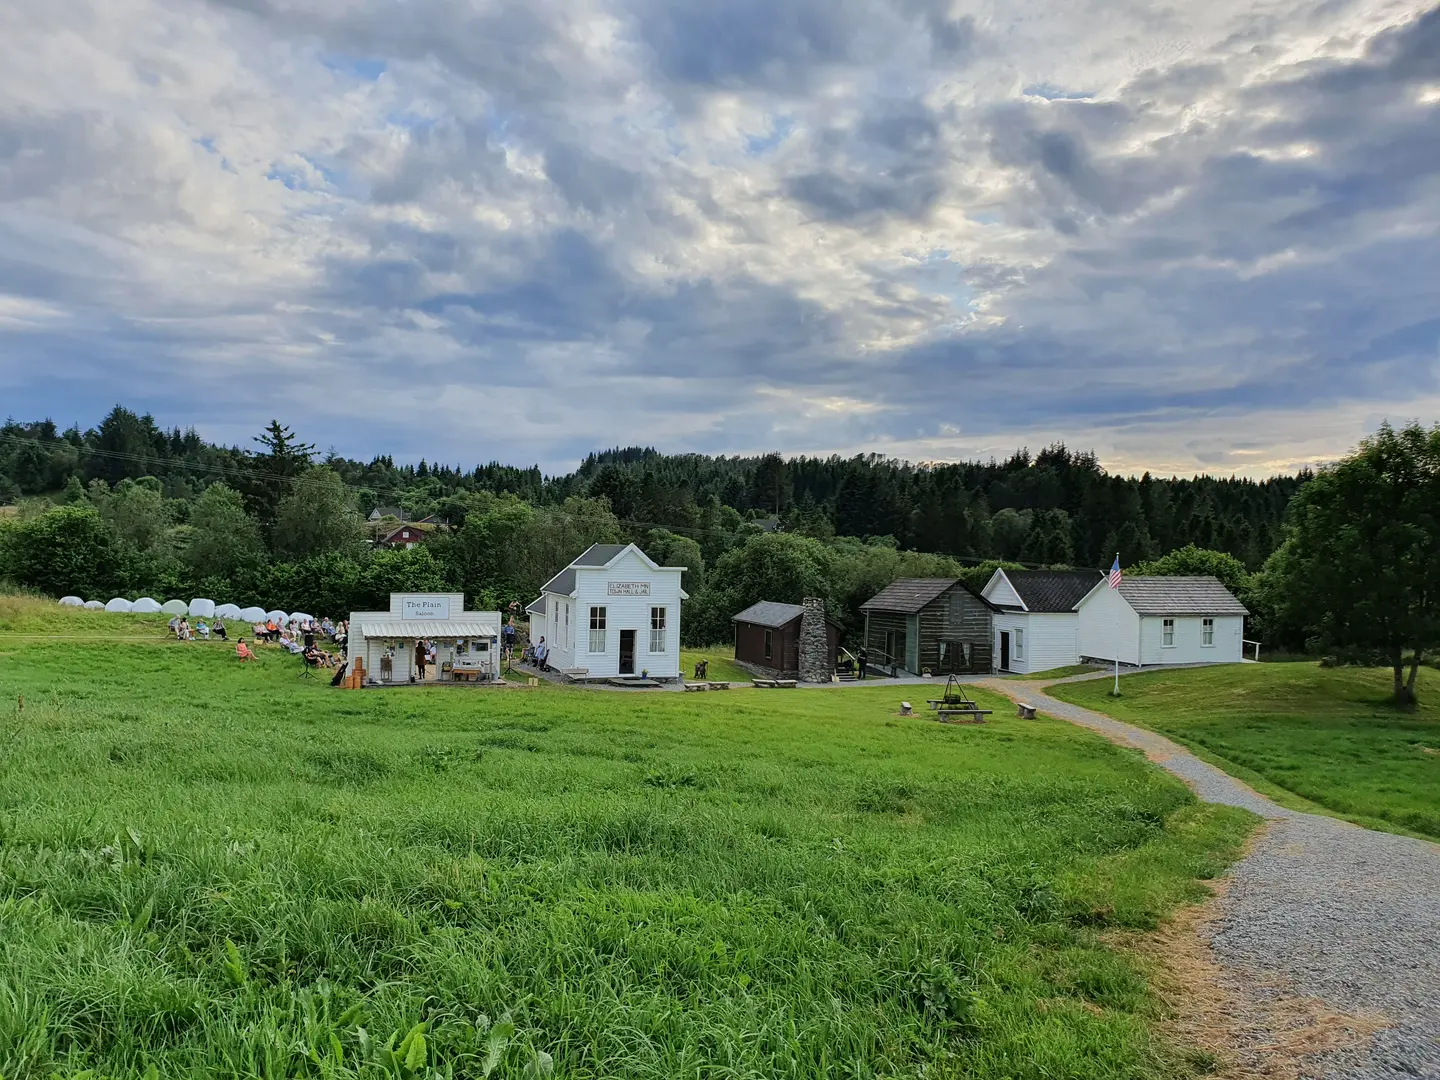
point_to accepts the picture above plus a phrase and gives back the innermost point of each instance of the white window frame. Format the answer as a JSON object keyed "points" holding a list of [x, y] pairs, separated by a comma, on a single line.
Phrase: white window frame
{"points": [[769, 651], [657, 633], [1018, 639], [598, 618], [1207, 633], [1167, 633]]}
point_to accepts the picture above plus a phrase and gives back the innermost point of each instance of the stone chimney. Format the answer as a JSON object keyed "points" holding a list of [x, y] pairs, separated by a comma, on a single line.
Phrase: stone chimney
{"points": [[814, 646]]}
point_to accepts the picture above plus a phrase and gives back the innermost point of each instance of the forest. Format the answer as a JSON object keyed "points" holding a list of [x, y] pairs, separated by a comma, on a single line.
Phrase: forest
{"points": [[128, 507]]}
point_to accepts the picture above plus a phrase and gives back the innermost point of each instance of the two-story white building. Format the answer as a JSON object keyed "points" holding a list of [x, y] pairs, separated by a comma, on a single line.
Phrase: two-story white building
{"points": [[612, 612], [1162, 620]]}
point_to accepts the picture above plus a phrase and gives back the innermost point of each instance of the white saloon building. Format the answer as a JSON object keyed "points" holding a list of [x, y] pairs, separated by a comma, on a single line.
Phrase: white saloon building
{"points": [[1037, 627], [466, 642], [612, 612], [1162, 620]]}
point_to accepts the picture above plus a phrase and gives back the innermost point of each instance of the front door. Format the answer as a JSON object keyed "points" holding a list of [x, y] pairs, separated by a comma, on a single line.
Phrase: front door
{"points": [[1004, 650], [627, 652]]}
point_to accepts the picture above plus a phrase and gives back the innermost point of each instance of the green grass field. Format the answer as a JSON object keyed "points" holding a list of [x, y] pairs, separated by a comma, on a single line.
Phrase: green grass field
{"points": [[1325, 735], [722, 663], [1055, 673], [211, 869]]}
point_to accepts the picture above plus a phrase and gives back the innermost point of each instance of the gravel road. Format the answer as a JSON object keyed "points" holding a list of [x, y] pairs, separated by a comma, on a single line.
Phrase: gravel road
{"points": [[1343, 914]]}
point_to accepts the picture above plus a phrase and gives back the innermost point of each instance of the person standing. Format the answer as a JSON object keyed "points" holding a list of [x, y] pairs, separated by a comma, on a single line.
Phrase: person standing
{"points": [[507, 637], [861, 661], [422, 654]]}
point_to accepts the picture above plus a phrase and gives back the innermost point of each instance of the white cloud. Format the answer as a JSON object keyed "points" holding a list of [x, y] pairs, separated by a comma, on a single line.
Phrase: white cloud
{"points": [[725, 226]]}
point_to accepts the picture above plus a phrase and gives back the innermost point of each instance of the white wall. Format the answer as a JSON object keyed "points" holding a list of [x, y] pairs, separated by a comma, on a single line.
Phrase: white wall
{"points": [[1010, 622], [998, 590], [1107, 623], [561, 641], [627, 613], [1051, 639], [1189, 637]]}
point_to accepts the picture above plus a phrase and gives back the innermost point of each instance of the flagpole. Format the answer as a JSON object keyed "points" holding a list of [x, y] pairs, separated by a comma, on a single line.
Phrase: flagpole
{"points": [[1116, 691]]}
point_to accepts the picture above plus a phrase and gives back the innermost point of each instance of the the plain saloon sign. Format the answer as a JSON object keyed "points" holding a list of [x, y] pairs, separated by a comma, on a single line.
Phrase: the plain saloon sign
{"points": [[425, 607], [627, 588]]}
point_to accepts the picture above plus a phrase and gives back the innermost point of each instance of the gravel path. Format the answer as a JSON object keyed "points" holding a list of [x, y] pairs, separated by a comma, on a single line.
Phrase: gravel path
{"points": [[1341, 913]]}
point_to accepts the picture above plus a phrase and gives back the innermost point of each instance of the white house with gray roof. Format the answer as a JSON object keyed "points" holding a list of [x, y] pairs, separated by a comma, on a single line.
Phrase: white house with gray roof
{"points": [[612, 612], [1036, 627], [1162, 620]]}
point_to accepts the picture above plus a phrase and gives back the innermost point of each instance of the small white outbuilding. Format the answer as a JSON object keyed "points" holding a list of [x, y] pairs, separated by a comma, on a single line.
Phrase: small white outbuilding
{"points": [[612, 612], [1147, 621], [1037, 627], [467, 643]]}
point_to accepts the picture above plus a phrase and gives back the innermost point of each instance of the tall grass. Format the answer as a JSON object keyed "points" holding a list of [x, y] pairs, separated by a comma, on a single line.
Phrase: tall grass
{"points": [[1327, 735], [216, 870]]}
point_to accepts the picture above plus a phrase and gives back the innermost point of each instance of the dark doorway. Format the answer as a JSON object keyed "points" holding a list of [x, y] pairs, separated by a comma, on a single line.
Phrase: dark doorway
{"points": [[1004, 650], [627, 652]]}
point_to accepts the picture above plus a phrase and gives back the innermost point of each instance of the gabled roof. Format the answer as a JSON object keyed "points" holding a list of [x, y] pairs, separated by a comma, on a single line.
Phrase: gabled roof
{"points": [[769, 613], [536, 607], [599, 554], [909, 595], [1052, 590], [562, 583], [1180, 596], [387, 511]]}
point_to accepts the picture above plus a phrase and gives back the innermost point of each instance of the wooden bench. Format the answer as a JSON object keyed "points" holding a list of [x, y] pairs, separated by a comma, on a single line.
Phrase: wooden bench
{"points": [[975, 716], [696, 687], [719, 686], [1024, 711]]}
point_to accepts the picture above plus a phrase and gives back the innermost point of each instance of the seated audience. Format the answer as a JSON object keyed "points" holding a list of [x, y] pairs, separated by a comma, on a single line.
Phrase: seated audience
{"points": [[243, 651]]}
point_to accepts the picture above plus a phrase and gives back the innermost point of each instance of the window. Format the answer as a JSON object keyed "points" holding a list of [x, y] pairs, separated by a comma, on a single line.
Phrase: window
{"points": [[657, 629], [597, 629], [1207, 631], [1167, 633], [1019, 644], [767, 644]]}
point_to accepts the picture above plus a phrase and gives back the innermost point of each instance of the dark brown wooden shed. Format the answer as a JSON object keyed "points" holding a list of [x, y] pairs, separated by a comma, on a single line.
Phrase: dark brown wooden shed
{"points": [[940, 625], [767, 638]]}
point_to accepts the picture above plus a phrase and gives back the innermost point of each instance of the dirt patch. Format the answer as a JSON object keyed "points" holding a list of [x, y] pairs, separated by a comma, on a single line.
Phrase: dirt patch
{"points": [[1247, 1024]]}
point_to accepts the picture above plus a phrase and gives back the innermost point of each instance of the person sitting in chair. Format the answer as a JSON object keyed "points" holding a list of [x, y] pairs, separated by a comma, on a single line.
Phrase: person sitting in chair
{"points": [[203, 630], [218, 629], [243, 651]]}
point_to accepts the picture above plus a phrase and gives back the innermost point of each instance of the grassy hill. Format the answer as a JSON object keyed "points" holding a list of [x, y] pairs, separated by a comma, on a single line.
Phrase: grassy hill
{"points": [[219, 869], [1324, 735]]}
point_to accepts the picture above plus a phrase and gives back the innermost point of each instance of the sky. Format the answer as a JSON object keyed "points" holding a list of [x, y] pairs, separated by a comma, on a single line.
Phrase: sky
{"points": [[1193, 237]]}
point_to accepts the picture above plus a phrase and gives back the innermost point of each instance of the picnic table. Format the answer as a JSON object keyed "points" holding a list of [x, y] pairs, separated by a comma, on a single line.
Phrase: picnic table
{"points": [[955, 702]]}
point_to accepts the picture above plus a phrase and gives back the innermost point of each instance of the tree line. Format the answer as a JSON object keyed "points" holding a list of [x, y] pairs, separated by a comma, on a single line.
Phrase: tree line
{"points": [[128, 508]]}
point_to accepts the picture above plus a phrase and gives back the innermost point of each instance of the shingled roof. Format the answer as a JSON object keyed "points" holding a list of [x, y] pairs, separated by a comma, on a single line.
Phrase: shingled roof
{"points": [[1180, 596], [909, 595], [1052, 590], [771, 614]]}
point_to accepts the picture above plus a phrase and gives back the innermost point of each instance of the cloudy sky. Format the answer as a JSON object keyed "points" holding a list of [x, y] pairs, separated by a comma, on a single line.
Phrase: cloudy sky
{"points": [[1191, 236]]}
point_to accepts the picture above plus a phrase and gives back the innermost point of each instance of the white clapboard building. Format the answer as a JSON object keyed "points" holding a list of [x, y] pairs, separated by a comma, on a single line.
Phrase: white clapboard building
{"points": [[1037, 628], [1162, 620], [612, 612], [466, 642]]}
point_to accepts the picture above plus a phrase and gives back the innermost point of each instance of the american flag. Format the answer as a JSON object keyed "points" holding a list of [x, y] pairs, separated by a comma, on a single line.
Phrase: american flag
{"points": [[1115, 574]]}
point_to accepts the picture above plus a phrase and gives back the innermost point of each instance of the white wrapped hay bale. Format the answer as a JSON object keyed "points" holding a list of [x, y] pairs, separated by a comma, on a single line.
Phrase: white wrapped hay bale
{"points": [[175, 607], [94, 605], [71, 601], [253, 614], [228, 611], [146, 605], [118, 606], [202, 609]]}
